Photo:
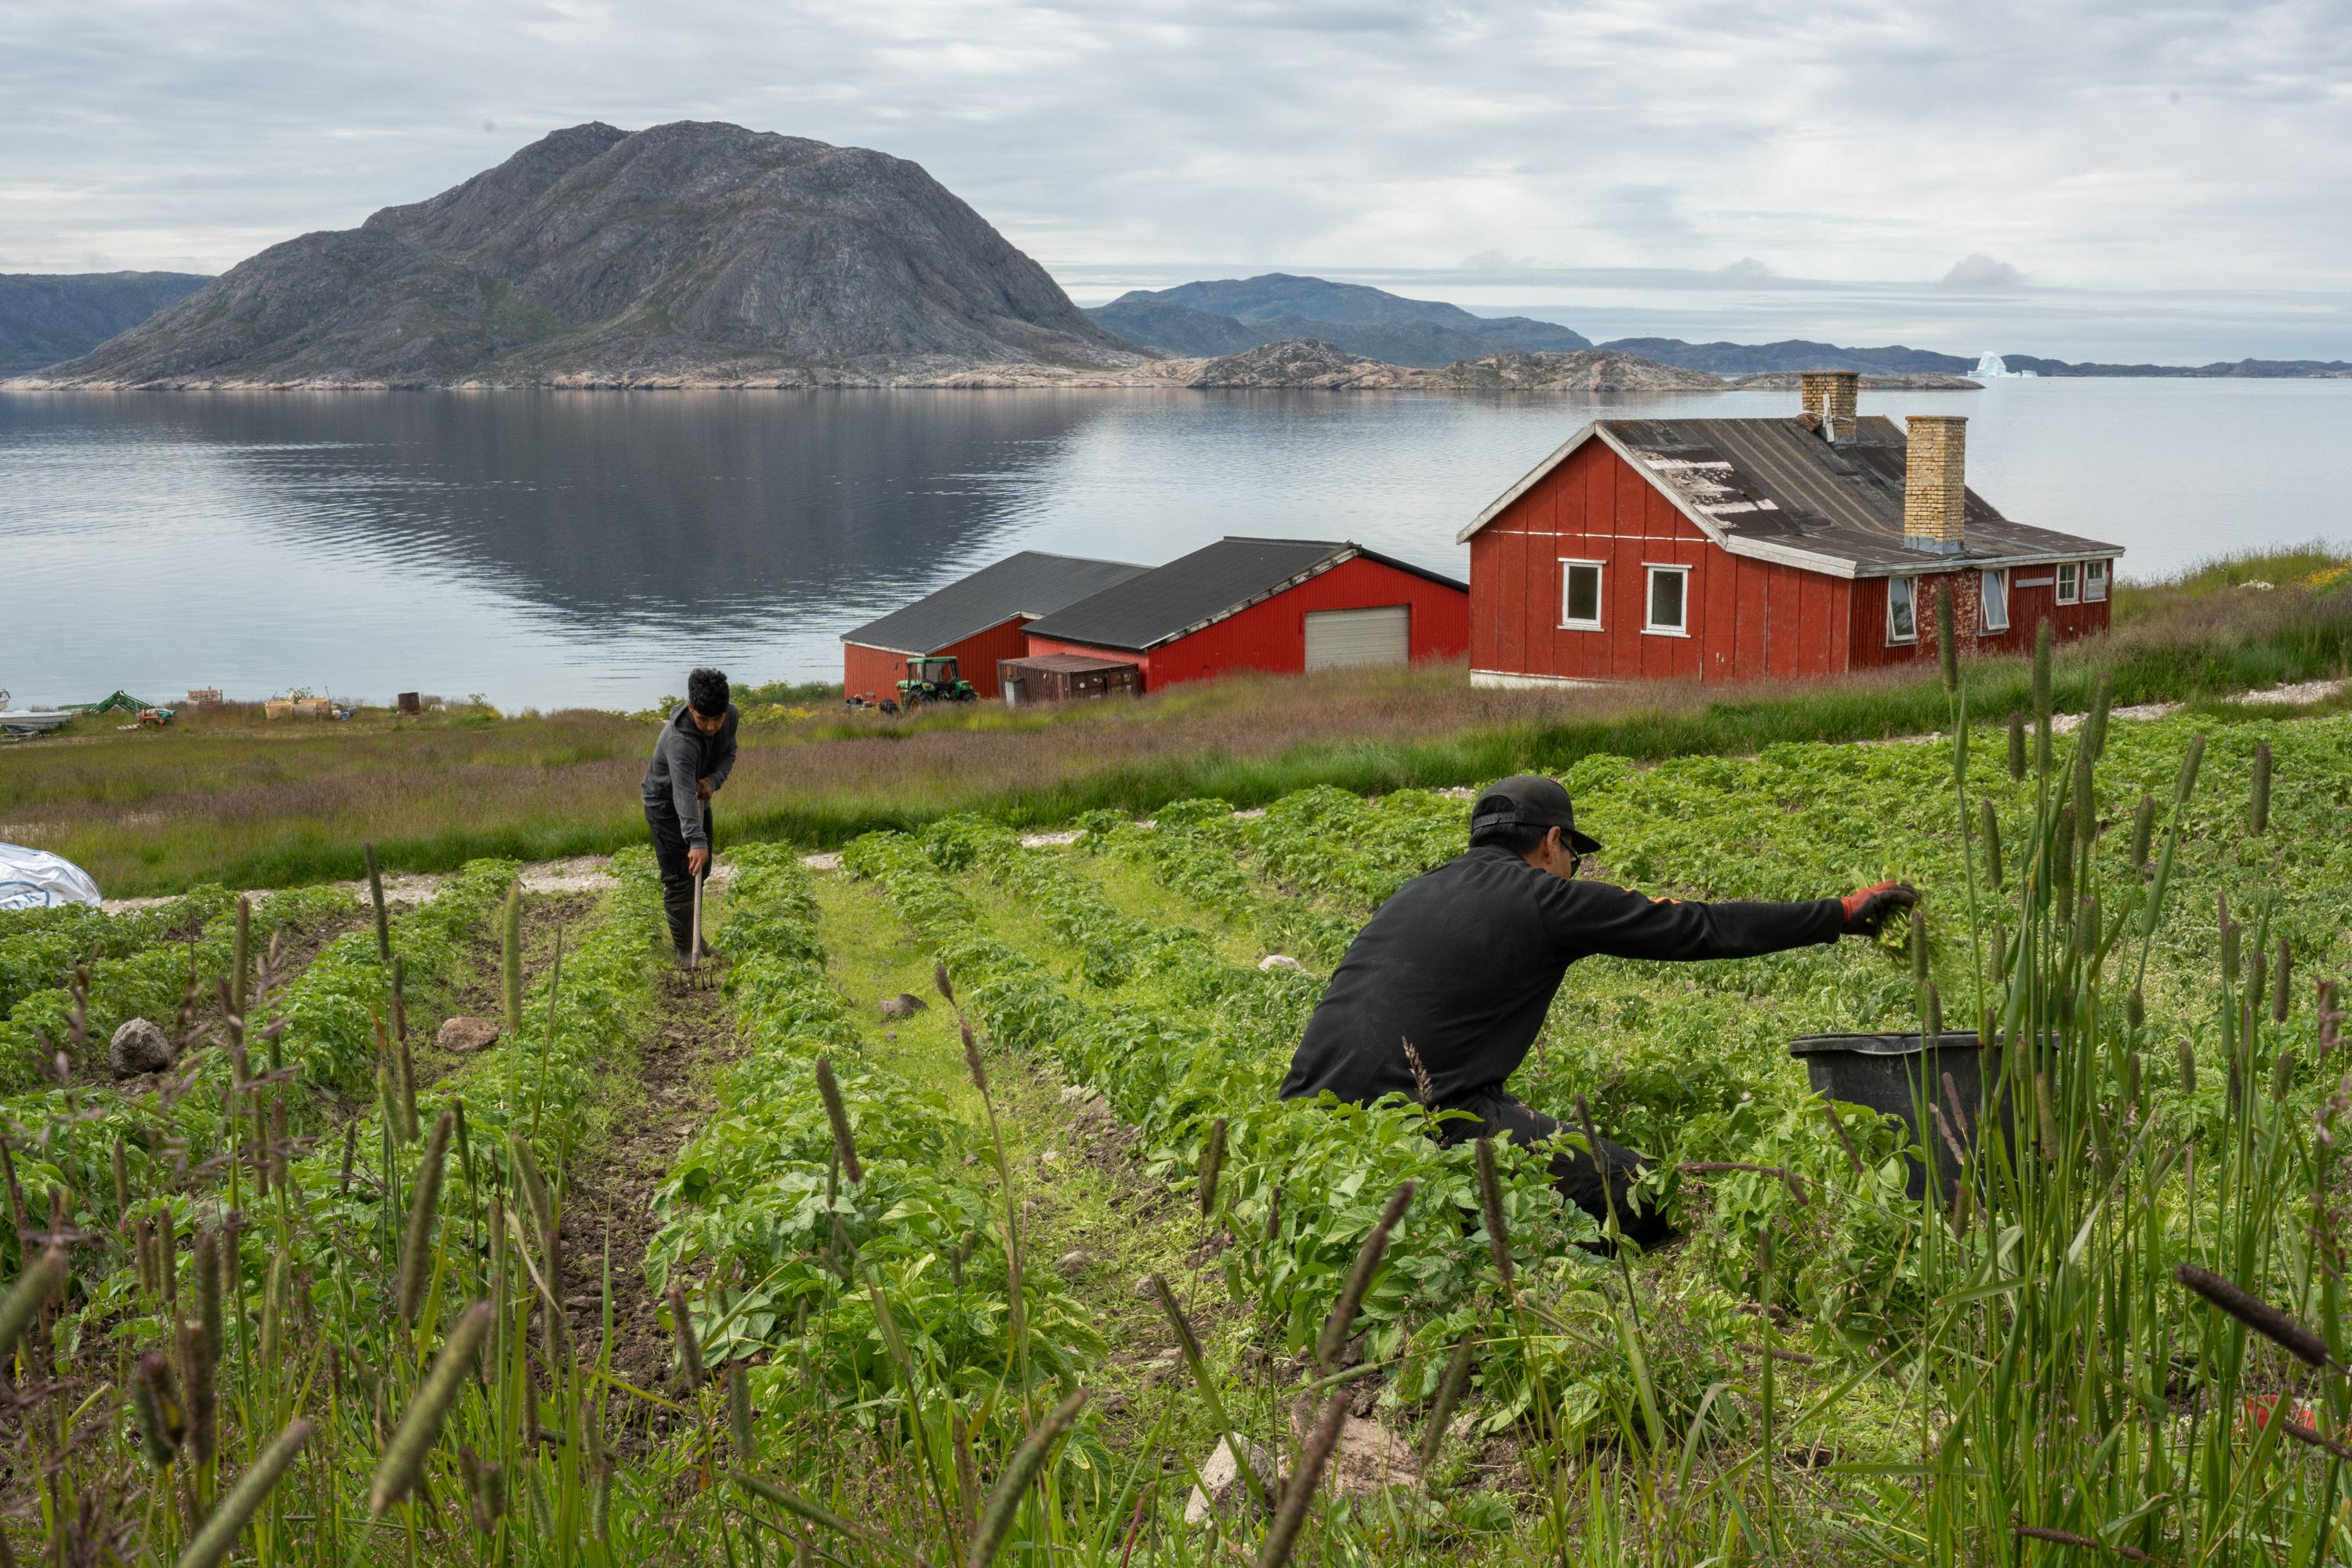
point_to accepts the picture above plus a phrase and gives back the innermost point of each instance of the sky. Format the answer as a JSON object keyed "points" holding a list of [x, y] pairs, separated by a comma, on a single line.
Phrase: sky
{"points": [[2154, 182]]}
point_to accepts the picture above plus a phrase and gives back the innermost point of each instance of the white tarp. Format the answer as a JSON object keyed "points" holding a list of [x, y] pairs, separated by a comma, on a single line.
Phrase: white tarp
{"points": [[36, 879]]}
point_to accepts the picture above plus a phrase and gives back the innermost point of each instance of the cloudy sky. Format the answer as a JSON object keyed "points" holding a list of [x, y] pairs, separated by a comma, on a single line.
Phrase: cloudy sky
{"points": [[2164, 181]]}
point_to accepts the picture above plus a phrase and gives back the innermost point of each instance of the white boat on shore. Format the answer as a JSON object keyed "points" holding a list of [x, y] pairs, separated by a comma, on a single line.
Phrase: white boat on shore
{"points": [[30, 720]]}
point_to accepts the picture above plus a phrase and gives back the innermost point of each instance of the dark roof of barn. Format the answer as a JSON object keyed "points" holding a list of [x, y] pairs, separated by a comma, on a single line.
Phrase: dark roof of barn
{"points": [[1031, 583], [1205, 587], [1774, 490]]}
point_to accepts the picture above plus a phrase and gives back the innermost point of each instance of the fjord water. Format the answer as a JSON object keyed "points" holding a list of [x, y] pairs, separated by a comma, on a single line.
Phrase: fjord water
{"points": [[561, 548]]}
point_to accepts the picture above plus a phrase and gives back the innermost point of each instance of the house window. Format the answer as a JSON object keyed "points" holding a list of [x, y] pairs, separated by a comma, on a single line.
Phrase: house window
{"points": [[1580, 595], [1902, 609], [1995, 599], [1667, 601], [2095, 581], [2070, 582]]}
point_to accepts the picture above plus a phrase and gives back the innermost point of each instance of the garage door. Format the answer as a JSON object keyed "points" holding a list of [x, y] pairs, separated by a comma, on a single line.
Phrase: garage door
{"points": [[1359, 636]]}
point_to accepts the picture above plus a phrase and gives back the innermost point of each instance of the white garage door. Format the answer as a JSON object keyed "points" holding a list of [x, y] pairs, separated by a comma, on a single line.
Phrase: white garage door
{"points": [[1359, 636]]}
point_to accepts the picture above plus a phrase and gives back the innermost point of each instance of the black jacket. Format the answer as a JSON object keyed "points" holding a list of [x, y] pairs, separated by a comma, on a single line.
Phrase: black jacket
{"points": [[1463, 962], [683, 757]]}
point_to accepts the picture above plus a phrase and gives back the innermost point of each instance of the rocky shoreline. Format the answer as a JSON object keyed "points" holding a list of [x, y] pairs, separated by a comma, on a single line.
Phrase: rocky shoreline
{"points": [[1304, 364]]}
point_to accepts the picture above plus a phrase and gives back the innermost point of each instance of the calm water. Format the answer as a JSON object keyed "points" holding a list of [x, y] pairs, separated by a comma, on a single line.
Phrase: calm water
{"points": [[554, 549]]}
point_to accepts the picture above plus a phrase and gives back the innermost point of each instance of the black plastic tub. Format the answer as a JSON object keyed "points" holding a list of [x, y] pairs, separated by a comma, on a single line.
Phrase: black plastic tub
{"points": [[1893, 1073]]}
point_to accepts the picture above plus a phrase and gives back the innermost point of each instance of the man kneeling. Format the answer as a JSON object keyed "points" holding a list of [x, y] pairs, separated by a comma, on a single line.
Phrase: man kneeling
{"points": [[1462, 963]]}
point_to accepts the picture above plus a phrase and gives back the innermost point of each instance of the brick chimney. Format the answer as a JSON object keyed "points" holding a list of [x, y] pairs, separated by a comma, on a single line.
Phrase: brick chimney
{"points": [[1935, 483], [1830, 397]]}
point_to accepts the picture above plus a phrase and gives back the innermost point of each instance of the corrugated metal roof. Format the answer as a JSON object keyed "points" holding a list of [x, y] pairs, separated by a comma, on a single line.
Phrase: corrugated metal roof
{"points": [[1032, 582], [1774, 489], [1205, 587]]}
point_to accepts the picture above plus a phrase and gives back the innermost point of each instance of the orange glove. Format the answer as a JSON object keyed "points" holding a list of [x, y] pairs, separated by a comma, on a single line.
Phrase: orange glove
{"points": [[1867, 907]]}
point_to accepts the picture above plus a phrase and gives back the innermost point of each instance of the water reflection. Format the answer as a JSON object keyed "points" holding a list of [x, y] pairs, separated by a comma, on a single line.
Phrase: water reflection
{"points": [[587, 547]]}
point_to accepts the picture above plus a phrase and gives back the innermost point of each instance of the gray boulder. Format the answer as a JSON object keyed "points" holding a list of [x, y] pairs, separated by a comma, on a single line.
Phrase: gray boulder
{"points": [[139, 1047]]}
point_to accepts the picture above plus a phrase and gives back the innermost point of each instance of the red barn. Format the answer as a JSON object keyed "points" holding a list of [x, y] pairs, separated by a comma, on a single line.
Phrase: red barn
{"points": [[976, 620], [1282, 605], [1735, 549]]}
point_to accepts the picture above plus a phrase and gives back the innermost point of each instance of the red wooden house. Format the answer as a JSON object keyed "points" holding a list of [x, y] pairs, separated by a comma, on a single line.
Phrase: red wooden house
{"points": [[976, 620], [1736, 548], [1283, 605]]}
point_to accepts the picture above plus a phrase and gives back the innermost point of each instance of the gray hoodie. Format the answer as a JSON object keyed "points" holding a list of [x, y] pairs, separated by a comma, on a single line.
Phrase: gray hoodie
{"points": [[683, 757]]}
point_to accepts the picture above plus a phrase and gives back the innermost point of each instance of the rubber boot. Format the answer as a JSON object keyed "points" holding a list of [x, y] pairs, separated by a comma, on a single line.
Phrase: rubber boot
{"points": [[681, 926]]}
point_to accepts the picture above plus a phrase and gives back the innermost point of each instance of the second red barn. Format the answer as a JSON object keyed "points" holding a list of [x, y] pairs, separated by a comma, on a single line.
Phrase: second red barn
{"points": [[1274, 605], [1736, 548]]}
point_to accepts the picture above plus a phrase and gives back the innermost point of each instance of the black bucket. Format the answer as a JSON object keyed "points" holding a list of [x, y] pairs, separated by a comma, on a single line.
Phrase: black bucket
{"points": [[1884, 1072]]}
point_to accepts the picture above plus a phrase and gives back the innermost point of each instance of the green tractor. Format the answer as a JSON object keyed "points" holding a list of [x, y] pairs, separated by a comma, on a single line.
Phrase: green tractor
{"points": [[934, 680]]}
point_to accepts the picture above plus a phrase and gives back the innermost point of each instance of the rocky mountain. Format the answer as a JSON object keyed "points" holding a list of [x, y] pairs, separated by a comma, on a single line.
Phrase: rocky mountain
{"points": [[2262, 369], [689, 253], [1924, 381], [1793, 353], [1235, 314], [1308, 365], [48, 317]]}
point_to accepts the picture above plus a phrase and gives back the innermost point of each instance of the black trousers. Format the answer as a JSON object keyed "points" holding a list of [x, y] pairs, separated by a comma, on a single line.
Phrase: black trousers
{"points": [[677, 881], [1575, 1175]]}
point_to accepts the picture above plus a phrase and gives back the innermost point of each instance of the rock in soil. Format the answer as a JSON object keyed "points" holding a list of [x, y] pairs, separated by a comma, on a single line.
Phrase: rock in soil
{"points": [[1222, 1490], [139, 1047], [462, 1035], [1277, 961], [1073, 1264], [1368, 1456], [904, 1005]]}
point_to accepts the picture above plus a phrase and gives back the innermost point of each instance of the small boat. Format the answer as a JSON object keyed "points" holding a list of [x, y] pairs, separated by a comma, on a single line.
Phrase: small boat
{"points": [[30, 720]]}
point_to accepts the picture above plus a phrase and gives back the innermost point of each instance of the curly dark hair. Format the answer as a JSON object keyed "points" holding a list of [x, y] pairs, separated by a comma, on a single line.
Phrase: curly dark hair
{"points": [[706, 692]]}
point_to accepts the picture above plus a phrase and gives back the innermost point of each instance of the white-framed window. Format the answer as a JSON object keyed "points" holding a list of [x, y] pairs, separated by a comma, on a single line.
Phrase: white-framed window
{"points": [[1993, 594], [1902, 609], [2070, 582], [1669, 601], [1580, 595], [2095, 581]]}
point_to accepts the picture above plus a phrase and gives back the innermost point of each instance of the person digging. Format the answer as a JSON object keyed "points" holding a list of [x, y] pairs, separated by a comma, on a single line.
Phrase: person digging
{"points": [[1462, 963], [690, 763]]}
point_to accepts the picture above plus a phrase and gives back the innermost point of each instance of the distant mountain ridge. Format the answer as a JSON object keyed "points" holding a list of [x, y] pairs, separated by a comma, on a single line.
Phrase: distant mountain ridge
{"points": [[690, 252], [45, 317], [1791, 353], [2266, 369], [1234, 315]]}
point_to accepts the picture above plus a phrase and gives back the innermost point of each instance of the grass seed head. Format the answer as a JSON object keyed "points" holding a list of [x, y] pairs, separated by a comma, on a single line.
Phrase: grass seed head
{"points": [[2143, 832], [1213, 1160], [689, 1349], [156, 1405], [204, 1417], [1490, 1209], [1027, 1463], [1935, 1011], [971, 1050], [1449, 1395], [121, 1180], [396, 1474], [2042, 698], [424, 1206], [1947, 646], [485, 1488], [2188, 1066], [2185, 783], [1989, 829], [2259, 815], [232, 1512], [2134, 1012], [828, 1088], [2282, 1076], [2016, 746], [2304, 1344], [2095, 729], [1342, 1323], [1282, 1536], [739, 1416], [1918, 945], [2281, 983], [206, 1264], [375, 896]]}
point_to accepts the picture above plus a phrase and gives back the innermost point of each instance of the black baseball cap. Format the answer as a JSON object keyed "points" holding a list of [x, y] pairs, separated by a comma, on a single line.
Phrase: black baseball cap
{"points": [[1530, 800]]}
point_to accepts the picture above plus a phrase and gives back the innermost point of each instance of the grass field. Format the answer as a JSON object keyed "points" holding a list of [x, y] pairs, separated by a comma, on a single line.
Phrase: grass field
{"points": [[668, 1273], [227, 797]]}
